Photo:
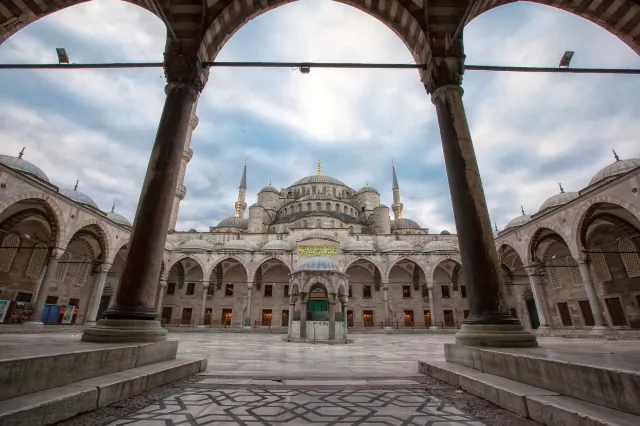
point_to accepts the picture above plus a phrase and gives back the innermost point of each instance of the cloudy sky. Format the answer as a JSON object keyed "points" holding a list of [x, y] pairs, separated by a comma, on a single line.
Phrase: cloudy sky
{"points": [[530, 130]]}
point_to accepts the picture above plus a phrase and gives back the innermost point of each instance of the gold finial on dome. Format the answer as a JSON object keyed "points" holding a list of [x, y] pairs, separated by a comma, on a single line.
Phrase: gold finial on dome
{"points": [[319, 169]]}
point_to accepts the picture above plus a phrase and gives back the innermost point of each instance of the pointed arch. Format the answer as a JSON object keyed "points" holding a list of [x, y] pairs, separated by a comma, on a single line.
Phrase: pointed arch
{"points": [[535, 234], [52, 213], [387, 273], [181, 256], [98, 230]]}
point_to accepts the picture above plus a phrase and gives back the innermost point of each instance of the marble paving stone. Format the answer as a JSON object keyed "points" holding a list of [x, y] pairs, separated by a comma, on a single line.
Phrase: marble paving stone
{"points": [[235, 406]]}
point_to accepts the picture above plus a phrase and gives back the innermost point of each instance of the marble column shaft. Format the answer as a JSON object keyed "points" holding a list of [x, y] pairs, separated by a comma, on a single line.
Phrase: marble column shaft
{"points": [[385, 295], [594, 303], [292, 306], [141, 274], [203, 309], [247, 315], [432, 308], [477, 247], [45, 285], [162, 286], [303, 315], [332, 317], [346, 320], [96, 294], [538, 296]]}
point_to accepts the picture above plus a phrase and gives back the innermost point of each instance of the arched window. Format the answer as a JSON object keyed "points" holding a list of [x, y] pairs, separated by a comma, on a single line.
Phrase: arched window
{"points": [[599, 264], [572, 265], [554, 277], [313, 190], [318, 208], [345, 210], [299, 208], [304, 223], [63, 265], [334, 191], [308, 207], [333, 224], [37, 260], [83, 271], [337, 208], [318, 224], [8, 251], [324, 189], [328, 206], [629, 255]]}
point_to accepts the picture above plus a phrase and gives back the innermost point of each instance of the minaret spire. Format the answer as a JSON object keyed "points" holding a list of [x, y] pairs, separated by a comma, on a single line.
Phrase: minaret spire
{"points": [[241, 205], [319, 168], [21, 152], [397, 205]]}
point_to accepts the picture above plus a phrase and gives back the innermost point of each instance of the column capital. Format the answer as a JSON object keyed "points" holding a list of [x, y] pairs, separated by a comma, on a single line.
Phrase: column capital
{"points": [[55, 253], [184, 69], [533, 268], [441, 72], [206, 285], [581, 256], [163, 283], [103, 267]]}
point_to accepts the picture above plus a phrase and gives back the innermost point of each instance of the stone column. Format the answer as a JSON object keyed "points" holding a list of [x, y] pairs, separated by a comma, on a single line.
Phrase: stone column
{"points": [[43, 291], [292, 309], [133, 317], [162, 290], [203, 309], [303, 315], [594, 303], [487, 324], [331, 300], [432, 309], [344, 314], [247, 315], [385, 295], [96, 295], [538, 296]]}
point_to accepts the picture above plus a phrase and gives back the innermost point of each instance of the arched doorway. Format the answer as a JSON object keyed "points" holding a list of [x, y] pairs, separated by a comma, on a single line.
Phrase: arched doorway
{"points": [[184, 279], [407, 304], [448, 299], [230, 297], [270, 294]]}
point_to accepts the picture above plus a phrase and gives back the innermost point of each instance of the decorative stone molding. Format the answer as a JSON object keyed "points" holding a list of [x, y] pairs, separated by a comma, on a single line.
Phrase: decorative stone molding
{"points": [[187, 154], [181, 191], [193, 121]]}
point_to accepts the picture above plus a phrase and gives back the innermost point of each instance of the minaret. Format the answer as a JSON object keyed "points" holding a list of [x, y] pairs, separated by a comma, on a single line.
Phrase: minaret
{"points": [[241, 205], [181, 190], [397, 205]]}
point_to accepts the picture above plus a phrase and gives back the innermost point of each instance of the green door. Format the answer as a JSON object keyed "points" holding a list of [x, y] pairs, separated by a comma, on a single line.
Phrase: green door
{"points": [[533, 313], [318, 306]]}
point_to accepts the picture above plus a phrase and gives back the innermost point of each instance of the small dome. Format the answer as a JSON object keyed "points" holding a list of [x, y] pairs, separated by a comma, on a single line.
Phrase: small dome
{"points": [[518, 221], [78, 197], [368, 188], [445, 232], [277, 245], [558, 200], [17, 163], [233, 222], [318, 179], [197, 244], [119, 219], [404, 224], [192, 230], [439, 246], [319, 264], [397, 245], [358, 246], [238, 245], [618, 168], [270, 188]]}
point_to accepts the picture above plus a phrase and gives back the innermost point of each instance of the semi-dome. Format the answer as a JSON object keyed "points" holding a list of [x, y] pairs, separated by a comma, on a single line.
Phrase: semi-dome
{"points": [[359, 246], [277, 245], [397, 245], [319, 264], [118, 218], [318, 179], [439, 246], [17, 163], [404, 224], [239, 245], [78, 197], [558, 200], [233, 222], [618, 168], [518, 221], [368, 188], [197, 244]]}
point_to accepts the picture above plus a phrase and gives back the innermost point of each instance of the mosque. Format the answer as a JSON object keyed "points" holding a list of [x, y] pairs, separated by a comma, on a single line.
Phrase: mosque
{"points": [[321, 249]]}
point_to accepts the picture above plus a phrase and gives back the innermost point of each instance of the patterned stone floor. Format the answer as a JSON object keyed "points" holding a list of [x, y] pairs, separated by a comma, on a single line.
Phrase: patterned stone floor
{"points": [[243, 406]]}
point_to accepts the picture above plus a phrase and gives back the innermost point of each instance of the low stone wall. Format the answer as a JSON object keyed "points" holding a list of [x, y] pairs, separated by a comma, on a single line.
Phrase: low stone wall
{"points": [[36, 329], [611, 334]]}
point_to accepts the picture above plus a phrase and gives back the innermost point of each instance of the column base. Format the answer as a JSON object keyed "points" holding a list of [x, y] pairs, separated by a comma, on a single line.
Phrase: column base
{"points": [[496, 335], [434, 327], [33, 323], [202, 326], [124, 331], [543, 327], [601, 327]]}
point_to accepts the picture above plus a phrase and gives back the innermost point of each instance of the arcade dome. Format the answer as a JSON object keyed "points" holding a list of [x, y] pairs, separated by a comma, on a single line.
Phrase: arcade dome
{"points": [[518, 221], [277, 245], [558, 200], [405, 224], [17, 163], [397, 245], [319, 264], [79, 197], [368, 188], [233, 222], [238, 245], [618, 168], [358, 246], [197, 244], [439, 246], [118, 218]]}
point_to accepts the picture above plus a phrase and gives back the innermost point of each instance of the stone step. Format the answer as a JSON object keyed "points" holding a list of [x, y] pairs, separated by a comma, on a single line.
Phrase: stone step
{"points": [[54, 405], [308, 383], [542, 405], [24, 370], [610, 380]]}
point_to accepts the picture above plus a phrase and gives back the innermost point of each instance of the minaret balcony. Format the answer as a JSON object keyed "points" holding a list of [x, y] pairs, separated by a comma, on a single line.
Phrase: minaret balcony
{"points": [[181, 191], [187, 154]]}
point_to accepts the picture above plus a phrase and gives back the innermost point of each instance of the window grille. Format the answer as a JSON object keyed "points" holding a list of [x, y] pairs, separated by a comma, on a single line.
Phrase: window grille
{"points": [[599, 263], [554, 277], [8, 251], [629, 257], [83, 271], [37, 260], [63, 265], [574, 271]]}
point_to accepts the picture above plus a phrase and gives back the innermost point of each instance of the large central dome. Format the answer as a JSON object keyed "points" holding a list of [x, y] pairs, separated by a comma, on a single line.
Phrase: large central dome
{"points": [[318, 179]]}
